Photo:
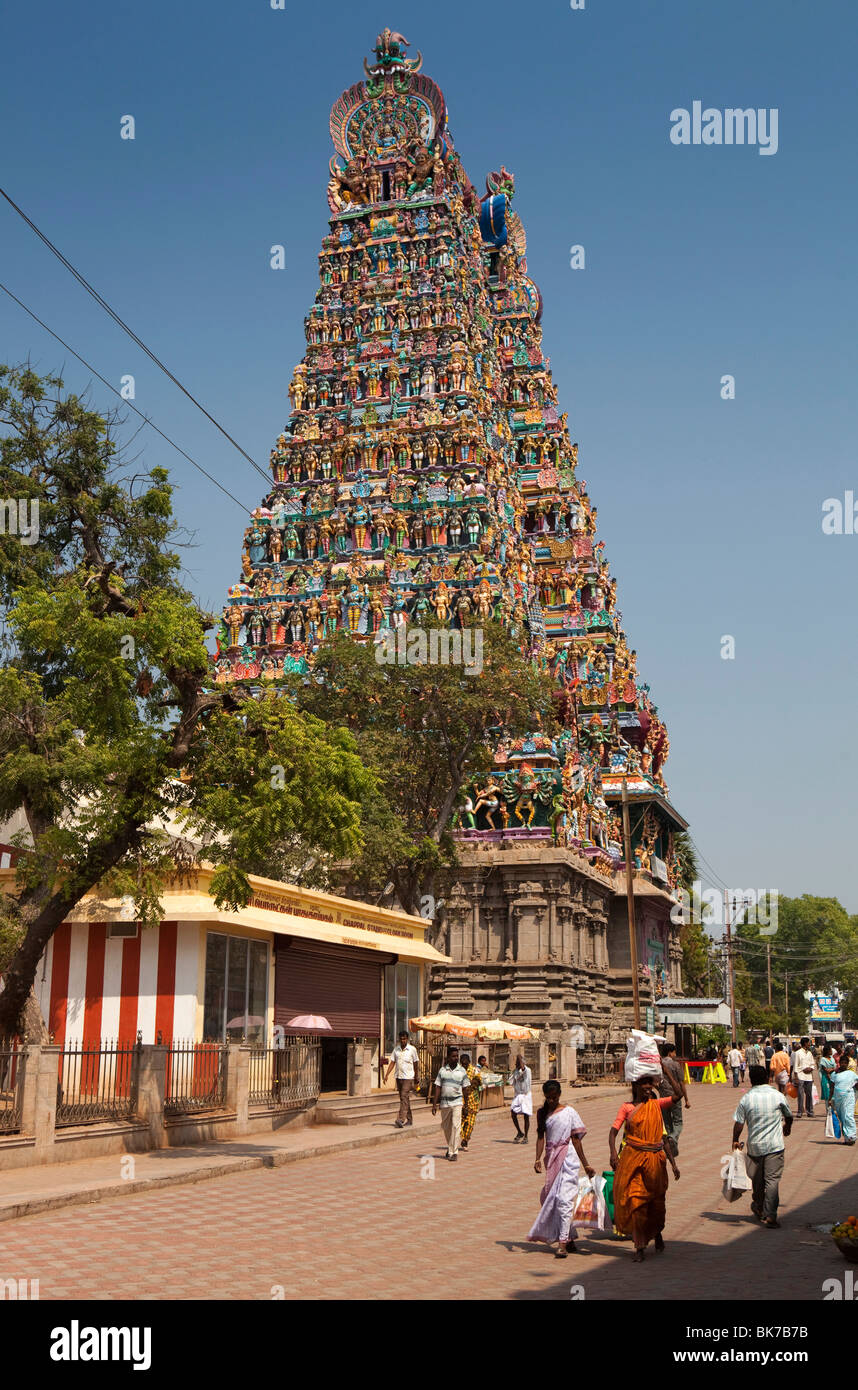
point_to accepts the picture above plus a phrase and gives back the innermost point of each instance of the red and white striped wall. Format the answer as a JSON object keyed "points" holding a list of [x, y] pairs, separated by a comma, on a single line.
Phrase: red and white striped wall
{"points": [[91, 985]]}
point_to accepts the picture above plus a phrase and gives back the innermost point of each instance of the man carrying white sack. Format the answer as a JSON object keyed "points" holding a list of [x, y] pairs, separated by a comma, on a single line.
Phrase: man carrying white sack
{"points": [[522, 1101]]}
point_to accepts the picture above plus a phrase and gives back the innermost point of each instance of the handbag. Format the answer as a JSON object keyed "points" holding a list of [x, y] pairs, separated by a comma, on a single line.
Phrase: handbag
{"points": [[791, 1089]]}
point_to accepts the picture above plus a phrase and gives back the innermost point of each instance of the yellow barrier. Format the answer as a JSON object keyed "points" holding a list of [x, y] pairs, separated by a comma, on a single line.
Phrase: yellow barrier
{"points": [[712, 1073]]}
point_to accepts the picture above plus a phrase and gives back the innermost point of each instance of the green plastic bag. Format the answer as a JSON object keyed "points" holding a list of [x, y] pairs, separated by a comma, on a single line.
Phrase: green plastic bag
{"points": [[608, 1175]]}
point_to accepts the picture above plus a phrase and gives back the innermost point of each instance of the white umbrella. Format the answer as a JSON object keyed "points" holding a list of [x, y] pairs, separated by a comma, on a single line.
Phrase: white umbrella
{"points": [[309, 1023]]}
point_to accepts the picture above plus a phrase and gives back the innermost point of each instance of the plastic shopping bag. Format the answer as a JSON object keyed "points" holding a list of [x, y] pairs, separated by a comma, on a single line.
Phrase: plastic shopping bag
{"points": [[814, 1095], [832, 1126], [642, 1055], [608, 1179], [591, 1212], [735, 1176]]}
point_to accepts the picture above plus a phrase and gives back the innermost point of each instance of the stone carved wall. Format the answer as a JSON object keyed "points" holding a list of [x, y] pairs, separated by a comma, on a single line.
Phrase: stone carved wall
{"points": [[527, 930]]}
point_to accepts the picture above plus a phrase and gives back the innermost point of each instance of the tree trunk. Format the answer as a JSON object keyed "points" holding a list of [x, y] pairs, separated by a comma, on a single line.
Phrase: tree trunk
{"points": [[33, 1026], [18, 979]]}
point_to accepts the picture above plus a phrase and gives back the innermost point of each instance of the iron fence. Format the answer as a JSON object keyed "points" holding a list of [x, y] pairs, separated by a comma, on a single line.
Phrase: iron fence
{"points": [[10, 1091], [285, 1076], [97, 1082], [596, 1065], [196, 1077]]}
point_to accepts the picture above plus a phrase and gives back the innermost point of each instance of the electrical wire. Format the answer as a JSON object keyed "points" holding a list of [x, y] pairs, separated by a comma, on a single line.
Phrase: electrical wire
{"points": [[102, 302], [716, 877], [245, 509]]}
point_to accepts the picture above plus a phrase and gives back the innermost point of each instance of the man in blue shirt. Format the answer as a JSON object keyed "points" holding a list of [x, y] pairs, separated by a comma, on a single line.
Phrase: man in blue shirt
{"points": [[767, 1114]]}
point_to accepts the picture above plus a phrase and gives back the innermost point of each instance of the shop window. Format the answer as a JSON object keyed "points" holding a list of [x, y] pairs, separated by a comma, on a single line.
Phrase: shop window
{"points": [[236, 988], [401, 1000]]}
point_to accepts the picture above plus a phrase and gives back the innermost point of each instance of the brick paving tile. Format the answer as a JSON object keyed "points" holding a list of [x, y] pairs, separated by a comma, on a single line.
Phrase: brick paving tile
{"points": [[384, 1223]]}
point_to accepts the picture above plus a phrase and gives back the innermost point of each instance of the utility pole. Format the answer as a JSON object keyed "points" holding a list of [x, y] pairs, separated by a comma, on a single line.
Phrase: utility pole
{"points": [[630, 897], [786, 997], [731, 982], [769, 969]]}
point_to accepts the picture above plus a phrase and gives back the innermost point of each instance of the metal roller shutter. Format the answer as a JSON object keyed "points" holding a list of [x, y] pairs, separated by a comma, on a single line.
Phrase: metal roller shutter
{"points": [[342, 984]]}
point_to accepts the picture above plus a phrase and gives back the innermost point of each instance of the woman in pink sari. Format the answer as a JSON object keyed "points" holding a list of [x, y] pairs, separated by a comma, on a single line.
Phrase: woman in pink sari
{"points": [[559, 1131]]}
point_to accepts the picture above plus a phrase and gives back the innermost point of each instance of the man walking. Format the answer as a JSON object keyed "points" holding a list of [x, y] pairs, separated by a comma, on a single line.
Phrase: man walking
{"points": [[735, 1060], [451, 1083], [522, 1100], [802, 1061], [407, 1066], [673, 1084], [779, 1066], [767, 1114], [754, 1055]]}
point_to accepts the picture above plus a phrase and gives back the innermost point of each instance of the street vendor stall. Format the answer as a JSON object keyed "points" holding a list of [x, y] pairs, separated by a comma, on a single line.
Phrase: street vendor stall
{"points": [[467, 1035]]}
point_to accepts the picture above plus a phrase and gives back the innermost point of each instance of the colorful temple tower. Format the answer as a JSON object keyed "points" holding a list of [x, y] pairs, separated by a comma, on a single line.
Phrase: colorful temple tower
{"points": [[426, 473]]}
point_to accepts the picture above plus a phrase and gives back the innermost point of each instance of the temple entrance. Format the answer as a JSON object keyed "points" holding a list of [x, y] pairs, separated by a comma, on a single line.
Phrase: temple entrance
{"points": [[334, 1058]]}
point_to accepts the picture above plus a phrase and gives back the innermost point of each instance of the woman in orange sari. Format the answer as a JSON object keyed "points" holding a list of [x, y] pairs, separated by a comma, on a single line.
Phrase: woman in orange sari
{"points": [[640, 1171]]}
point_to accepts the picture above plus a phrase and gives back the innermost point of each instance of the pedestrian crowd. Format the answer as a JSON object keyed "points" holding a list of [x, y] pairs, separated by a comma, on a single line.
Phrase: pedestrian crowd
{"points": [[651, 1125]]}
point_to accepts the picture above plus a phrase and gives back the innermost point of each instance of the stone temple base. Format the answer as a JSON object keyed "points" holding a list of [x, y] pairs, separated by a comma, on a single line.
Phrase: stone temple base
{"points": [[538, 935]]}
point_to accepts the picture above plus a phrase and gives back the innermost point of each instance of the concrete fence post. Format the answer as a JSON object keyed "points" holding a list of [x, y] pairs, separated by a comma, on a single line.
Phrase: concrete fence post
{"points": [[237, 1094], [359, 1069], [39, 1092], [151, 1092]]}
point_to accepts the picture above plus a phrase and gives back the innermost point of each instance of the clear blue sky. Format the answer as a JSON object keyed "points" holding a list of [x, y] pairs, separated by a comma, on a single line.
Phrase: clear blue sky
{"points": [[700, 261]]}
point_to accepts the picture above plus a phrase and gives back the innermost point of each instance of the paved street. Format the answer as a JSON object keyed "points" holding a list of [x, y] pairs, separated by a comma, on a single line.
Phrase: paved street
{"points": [[386, 1223]]}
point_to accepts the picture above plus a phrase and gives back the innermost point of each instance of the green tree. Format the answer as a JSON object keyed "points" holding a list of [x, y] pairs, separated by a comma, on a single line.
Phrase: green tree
{"points": [[425, 732], [109, 723], [815, 948]]}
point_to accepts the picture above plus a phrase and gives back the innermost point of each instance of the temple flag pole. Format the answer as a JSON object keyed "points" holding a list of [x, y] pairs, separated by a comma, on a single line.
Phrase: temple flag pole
{"points": [[630, 894]]}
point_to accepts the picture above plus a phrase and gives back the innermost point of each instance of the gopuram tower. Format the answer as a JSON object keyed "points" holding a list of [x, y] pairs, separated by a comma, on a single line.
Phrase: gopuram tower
{"points": [[426, 471]]}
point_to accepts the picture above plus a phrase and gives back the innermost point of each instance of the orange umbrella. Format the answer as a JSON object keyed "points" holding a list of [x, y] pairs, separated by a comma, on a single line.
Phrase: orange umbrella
{"points": [[445, 1023], [497, 1029]]}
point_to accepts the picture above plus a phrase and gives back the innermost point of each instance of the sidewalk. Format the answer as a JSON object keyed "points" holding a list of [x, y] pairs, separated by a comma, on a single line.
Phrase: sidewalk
{"points": [[25, 1191]]}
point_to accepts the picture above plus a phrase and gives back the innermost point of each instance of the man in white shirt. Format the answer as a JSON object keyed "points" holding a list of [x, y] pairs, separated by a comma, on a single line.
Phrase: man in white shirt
{"points": [[522, 1100], [451, 1084], [802, 1063], [735, 1060], [768, 1117], [407, 1065]]}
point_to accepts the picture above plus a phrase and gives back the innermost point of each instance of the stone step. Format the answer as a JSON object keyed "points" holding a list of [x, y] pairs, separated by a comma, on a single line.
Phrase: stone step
{"points": [[356, 1110]]}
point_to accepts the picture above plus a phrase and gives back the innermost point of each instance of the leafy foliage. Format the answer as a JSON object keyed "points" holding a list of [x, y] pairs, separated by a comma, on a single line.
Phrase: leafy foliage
{"points": [[424, 732], [111, 735], [815, 948]]}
